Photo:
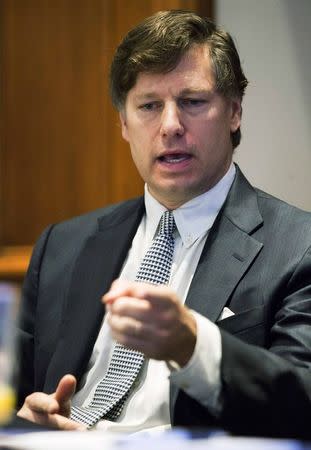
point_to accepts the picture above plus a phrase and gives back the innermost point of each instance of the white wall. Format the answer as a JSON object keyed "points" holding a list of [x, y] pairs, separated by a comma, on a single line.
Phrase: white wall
{"points": [[274, 42]]}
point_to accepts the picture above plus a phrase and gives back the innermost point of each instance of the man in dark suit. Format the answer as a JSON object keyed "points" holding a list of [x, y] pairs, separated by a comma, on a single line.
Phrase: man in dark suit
{"points": [[227, 343]]}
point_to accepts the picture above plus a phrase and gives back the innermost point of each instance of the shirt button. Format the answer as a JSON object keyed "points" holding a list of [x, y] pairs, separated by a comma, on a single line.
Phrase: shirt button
{"points": [[188, 239]]}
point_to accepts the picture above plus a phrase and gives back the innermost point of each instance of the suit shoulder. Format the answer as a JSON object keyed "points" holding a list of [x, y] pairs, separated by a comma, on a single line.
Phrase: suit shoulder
{"points": [[87, 223], [279, 204], [93, 216], [64, 240], [283, 213]]}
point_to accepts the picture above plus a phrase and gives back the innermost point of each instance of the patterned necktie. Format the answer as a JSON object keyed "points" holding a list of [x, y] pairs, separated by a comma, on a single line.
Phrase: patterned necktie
{"points": [[125, 365]]}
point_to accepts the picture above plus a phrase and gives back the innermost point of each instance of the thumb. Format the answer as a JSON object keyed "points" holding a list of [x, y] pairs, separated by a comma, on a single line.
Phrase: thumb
{"points": [[64, 392]]}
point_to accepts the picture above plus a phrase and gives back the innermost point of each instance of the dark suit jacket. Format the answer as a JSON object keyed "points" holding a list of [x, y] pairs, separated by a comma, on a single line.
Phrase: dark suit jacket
{"points": [[256, 261]]}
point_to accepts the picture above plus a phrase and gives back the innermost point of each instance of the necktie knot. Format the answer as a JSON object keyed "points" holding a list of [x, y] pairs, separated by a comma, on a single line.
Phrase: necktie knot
{"points": [[156, 265], [167, 223]]}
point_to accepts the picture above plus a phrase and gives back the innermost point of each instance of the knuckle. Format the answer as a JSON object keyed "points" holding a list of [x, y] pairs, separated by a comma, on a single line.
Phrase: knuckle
{"points": [[28, 398]]}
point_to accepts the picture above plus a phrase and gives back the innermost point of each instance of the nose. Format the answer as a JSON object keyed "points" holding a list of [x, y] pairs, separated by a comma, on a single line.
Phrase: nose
{"points": [[171, 123]]}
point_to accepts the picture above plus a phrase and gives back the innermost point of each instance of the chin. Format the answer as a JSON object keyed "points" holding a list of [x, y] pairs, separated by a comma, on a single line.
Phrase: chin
{"points": [[173, 196]]}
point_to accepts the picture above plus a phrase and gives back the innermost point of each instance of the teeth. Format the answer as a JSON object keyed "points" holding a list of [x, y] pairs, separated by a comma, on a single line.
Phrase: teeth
{"points": [[175, 158]]}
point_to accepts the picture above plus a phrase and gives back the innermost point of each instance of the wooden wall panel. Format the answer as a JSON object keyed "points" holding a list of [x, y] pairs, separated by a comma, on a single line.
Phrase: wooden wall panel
{"points": [[61, 151], [54, 157]]}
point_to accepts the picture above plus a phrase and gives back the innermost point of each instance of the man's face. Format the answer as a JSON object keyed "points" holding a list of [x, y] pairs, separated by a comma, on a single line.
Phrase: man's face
{"points": [[179, 129]]}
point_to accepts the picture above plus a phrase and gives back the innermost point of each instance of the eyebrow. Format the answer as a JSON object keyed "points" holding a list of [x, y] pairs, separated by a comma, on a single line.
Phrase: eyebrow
{"points": [[188, 91], [148, 95]]}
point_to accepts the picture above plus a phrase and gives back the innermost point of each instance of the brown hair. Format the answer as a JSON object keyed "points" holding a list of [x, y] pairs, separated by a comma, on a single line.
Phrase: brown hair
{"points": [[159, 42]]}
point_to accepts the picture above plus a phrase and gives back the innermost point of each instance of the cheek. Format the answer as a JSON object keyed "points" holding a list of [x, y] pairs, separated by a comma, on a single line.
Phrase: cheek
{"points": [[219, 129], [207, 135], [139, 157], [213, 142], [141, 142]]}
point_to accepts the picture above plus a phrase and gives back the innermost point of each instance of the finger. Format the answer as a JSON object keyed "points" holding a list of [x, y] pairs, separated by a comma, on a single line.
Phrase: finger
{"points": [[41, 403], [120, 283], [50, 420], [160, 296], [125, 326], [63, 423], [65, 389], [118, 288], [159, 343], [131, 307], [129, 331], [145, 311], [121, 288]]}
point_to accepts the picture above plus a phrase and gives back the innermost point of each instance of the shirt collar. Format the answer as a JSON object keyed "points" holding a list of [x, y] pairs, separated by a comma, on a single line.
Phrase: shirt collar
{"points": [[194, 218]]}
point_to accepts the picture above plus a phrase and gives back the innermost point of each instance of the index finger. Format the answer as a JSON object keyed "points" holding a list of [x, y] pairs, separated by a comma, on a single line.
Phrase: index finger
{"points": [[158, 295], [121, 288]]}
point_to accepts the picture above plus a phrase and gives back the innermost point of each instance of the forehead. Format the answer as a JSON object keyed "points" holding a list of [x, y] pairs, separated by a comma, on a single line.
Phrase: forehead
{"points": [[193, 72]]}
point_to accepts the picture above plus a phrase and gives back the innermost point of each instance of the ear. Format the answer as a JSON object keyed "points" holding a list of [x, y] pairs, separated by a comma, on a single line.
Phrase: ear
{"points": [[124, 128], [236, 114]]}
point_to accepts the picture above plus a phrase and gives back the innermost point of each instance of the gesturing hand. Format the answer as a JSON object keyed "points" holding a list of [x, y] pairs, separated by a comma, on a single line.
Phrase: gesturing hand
{"points": [[152, 320], [54, 409]]}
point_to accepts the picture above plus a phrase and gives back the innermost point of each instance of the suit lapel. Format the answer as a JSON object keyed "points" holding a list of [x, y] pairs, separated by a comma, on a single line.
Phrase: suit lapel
{"points": [[228, 252], [225, 259], [98, 264]]}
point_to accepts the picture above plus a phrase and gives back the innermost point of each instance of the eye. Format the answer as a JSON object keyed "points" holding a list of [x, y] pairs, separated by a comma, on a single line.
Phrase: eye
{"points": [[150, 106], [192, 102]]}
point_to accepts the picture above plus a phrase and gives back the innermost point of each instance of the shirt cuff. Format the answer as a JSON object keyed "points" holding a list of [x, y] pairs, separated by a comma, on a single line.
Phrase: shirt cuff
{"points": [[200, 378]]}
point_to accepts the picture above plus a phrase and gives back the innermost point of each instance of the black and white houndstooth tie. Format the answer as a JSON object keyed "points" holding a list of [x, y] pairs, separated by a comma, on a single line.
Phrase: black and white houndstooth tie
{"points": [[125, 365]]}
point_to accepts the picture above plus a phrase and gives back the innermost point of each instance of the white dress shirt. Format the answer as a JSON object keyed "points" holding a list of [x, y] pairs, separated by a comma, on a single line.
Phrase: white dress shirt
{"points": [[147, 407]]}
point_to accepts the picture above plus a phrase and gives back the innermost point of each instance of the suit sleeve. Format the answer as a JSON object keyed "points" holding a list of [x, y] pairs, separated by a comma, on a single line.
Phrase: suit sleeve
{"points": [[268, 391], [290, 334], [26, 323], [263, 394]]}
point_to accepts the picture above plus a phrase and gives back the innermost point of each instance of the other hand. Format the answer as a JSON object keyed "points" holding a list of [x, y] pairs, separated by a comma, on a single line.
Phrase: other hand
{"points": [[152, 320], [52, 410]]}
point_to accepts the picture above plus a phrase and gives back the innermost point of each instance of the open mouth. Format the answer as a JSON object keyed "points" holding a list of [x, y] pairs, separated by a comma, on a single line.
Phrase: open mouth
{"points": [[174, 158]]}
